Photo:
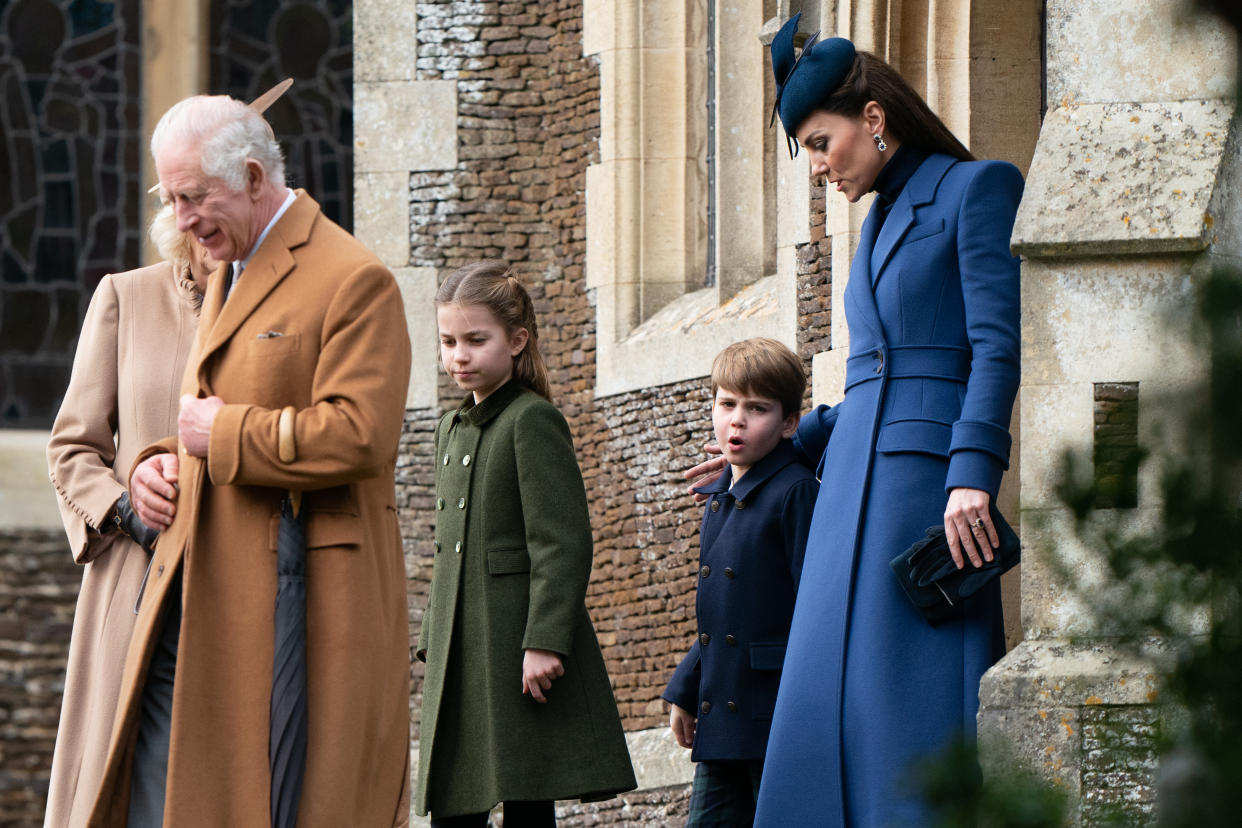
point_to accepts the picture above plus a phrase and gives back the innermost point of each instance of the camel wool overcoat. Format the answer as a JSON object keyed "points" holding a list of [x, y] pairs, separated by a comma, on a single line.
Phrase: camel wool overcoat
{"points": [[512, 562], [122, 396], [315, 322]]}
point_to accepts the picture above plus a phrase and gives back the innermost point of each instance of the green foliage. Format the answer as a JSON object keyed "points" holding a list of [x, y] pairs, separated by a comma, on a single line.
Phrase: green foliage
{"points": [[958, 796], [1178, 579]]}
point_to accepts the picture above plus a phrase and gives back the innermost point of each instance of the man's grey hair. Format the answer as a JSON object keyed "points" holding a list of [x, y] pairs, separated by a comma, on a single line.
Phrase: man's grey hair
{"points": [[227, 133]]}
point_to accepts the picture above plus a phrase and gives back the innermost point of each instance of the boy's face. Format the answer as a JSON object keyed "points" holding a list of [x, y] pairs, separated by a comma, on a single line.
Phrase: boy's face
{"points": [[748, 427]]}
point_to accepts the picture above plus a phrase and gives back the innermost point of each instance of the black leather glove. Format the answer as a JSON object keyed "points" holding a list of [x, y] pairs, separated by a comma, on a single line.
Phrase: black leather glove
{"points": [[126, 519]]}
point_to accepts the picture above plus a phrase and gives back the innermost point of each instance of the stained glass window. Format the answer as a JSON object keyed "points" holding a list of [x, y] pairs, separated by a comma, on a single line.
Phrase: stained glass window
{"points": [[256, 44], [70, 136]]}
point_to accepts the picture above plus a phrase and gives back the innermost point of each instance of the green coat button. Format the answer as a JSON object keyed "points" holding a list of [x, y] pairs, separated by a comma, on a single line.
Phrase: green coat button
{"points": [[437, 547], [457, 548], [461, 503], [439, 503], [446, 459], [465, 461]]}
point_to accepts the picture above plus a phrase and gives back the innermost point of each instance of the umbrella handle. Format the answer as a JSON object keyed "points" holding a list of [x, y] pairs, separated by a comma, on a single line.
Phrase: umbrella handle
{"points": [[286, 448]]}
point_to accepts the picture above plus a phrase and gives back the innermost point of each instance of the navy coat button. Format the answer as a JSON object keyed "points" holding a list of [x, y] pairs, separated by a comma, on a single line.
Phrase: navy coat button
{"points": [[732, 707], [715, 505], [741, 504], [729, 573], [731, 640], [705, 571], [706, 707], [704, 639], [879, 362]]}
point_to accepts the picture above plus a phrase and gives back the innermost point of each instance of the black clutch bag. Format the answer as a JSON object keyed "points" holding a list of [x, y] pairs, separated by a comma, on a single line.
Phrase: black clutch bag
{"points": [[933, 582]]}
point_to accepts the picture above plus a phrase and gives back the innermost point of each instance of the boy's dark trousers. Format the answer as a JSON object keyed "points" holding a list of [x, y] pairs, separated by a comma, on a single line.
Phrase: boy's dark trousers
{"points": [[724, 793], [518, 814]]}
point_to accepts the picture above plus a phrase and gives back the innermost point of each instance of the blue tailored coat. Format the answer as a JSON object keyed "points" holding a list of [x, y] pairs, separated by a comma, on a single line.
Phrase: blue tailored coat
{"points": [[869, 687], [751, 545]]}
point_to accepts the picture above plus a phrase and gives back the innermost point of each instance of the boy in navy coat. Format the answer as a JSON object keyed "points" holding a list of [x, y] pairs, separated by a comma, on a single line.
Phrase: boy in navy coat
{"points": [[751, 543]]}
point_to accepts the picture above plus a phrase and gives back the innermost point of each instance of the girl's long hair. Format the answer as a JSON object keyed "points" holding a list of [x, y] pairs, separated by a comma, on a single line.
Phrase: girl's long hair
{"points": [[907, 115], [493, 285]]}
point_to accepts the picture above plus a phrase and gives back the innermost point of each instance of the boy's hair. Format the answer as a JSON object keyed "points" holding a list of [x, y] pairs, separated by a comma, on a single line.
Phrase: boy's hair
{"points": [[764, 368], [493, 285]]}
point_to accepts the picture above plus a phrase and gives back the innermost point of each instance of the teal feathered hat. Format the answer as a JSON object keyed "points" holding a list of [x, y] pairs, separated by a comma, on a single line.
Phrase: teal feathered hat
{"points": [[805, 81]]}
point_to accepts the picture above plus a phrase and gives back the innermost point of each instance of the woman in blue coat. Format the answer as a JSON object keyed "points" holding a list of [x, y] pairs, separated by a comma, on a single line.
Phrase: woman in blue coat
{"points": [[920, 437]]}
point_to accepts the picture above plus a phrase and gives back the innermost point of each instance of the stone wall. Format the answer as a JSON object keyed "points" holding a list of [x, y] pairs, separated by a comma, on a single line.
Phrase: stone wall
{"points": [[38, 590]]}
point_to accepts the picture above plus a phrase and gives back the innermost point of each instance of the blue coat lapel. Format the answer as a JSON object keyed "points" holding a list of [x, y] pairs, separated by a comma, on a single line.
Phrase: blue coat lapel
{"points": [[859, 300], [894, 230], [920, 190]]}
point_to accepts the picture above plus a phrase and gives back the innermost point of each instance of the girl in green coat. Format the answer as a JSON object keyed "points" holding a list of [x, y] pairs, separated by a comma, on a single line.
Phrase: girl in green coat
{"points": [[517, 706]]}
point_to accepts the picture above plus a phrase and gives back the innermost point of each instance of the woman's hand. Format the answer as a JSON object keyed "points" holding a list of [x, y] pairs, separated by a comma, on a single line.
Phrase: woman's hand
{"points": [[708, 470], [539, 667], [968, 526], [682, 723]]}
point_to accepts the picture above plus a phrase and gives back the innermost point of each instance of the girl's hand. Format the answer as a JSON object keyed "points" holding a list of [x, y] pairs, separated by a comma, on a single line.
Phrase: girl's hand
{"points": [[968, 526], [709, 470], [682, 723], [539, 667]]}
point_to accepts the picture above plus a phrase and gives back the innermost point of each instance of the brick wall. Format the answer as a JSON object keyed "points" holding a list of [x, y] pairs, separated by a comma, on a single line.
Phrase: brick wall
{"points": [[814, 266], [38, 590]]}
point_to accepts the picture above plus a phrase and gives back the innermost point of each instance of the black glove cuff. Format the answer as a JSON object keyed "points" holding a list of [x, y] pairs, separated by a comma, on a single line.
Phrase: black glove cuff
{"points": [[127, 520]]}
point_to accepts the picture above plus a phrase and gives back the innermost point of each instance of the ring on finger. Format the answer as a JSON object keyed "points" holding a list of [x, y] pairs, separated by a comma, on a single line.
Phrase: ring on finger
{"points": [[977, 523]]}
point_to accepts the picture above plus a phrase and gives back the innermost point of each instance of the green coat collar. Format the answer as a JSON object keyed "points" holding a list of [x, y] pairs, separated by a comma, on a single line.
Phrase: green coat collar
{"points": [[482, 413]]}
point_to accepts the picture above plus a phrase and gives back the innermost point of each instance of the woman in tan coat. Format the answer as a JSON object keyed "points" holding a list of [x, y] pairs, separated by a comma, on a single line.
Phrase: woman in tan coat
{"points": [[122, 396]]}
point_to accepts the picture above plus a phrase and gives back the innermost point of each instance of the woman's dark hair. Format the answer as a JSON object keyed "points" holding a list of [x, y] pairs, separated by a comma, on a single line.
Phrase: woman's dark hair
{"points": [[493, 285], [907, 115]]}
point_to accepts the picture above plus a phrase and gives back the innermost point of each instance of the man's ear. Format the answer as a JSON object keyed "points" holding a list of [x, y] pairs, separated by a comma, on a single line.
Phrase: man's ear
{"points": [[256, 177]]}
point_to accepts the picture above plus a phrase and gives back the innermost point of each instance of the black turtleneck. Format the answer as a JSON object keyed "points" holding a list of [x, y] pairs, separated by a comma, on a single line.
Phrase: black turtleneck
{"points": [[894, 175]]}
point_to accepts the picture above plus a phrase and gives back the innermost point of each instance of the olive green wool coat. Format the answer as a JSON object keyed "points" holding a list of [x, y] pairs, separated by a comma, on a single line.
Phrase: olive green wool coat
{"points": [[512, 562]]}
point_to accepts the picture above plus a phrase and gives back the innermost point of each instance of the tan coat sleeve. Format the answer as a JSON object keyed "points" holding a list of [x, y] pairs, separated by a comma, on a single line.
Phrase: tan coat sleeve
{"points": [[82, 447], [357, 400]]}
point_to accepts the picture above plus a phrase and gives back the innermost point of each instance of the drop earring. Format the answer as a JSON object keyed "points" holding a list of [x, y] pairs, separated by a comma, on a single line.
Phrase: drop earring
{"points": [[879, 142]]}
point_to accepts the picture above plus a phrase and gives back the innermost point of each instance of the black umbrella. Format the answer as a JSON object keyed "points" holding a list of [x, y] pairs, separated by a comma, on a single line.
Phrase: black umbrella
{"points": [[287, 748]]}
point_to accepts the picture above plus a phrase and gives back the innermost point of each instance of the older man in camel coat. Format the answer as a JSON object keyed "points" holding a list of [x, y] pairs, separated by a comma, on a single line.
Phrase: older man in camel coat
{"points": [[302, 333]]}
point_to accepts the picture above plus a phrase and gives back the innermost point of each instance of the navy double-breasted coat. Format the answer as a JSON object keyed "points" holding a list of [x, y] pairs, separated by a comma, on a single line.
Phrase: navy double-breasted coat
{"points": [[751, 544], [868, 687]]}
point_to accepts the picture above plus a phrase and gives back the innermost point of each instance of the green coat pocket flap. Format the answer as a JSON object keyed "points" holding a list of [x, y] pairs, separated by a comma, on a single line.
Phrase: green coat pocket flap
{"points": [[923, 436], [507, 561], [769, 656]]}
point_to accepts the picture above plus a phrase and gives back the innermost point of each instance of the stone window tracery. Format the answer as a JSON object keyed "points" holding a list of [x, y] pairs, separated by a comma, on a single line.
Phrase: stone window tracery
{"points": [[70, 150], [255, 45]]}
